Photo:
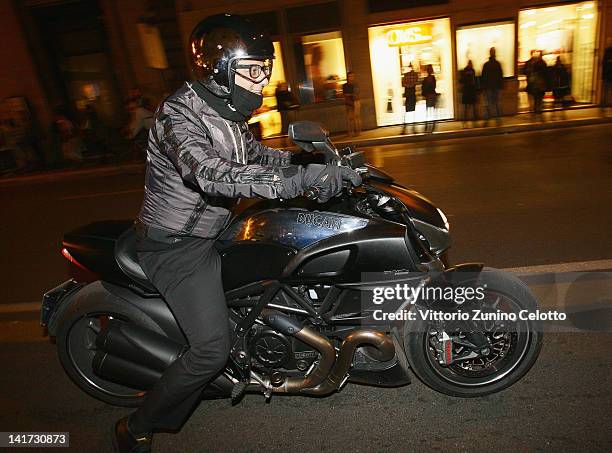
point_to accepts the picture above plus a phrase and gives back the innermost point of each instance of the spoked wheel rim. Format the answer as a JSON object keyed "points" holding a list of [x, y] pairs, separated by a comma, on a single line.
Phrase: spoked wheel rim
{"points": [[507, 347], [81, 348]]}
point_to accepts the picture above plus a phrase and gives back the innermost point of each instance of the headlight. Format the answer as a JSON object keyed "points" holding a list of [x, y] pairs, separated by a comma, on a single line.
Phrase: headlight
{"points": [[444, 219]]}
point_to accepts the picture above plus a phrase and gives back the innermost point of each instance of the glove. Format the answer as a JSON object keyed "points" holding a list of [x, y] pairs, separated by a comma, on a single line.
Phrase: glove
{"points": [[327, 180]]}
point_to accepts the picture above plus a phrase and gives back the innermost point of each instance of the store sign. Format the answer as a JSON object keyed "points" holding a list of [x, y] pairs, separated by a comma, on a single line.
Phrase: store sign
{"points": [[417, 34]]}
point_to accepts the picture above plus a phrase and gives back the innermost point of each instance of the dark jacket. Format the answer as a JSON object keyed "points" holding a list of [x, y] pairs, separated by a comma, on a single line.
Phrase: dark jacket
{"points": [[198, 163], [285, 100], [536, 72], [469, 85], [560, 80], [607, 65], [492, 75]]}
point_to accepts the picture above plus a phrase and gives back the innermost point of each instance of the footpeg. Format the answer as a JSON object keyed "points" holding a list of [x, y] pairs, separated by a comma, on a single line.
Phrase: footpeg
{"points": [[238, 391]]}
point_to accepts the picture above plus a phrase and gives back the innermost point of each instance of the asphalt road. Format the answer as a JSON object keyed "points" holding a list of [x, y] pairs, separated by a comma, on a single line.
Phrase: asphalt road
{"points": [[518, 200]]}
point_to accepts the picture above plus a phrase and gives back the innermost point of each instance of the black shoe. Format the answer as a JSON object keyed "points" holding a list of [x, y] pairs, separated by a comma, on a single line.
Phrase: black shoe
{"points": [[126, 442]]}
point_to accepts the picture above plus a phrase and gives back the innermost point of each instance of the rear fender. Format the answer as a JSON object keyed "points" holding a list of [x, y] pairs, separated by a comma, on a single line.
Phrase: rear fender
{"points": [[106, 293]]}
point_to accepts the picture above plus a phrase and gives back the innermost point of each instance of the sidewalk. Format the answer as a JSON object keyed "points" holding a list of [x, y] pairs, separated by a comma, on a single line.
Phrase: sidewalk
{"points": [[445, 130], [376, 137]]}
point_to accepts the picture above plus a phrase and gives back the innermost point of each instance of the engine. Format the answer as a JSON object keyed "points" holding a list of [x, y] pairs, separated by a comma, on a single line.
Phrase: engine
{"points": [[271, 350]]}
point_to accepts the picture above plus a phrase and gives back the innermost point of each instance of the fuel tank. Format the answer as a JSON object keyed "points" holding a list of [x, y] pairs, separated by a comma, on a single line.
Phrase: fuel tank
{"points": [[303, 241]]}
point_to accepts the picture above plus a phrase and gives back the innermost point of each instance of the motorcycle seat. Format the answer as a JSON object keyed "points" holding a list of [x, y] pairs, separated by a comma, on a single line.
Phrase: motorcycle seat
{"points": [[127, 259]]}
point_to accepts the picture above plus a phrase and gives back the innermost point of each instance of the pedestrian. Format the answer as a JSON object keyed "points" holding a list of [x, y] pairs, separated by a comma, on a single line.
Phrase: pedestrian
{"points": [[560, 85], [350, 91], [606, 95], [141, 120], [536, 72], [201, 160], [67, 136], [287, 105], [95, 132], [492, 81], [469, 89], [410, 81], [428, 91]]}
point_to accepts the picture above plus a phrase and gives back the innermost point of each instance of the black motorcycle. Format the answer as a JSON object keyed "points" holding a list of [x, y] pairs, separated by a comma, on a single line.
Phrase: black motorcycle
{"points": [[298, 281]]}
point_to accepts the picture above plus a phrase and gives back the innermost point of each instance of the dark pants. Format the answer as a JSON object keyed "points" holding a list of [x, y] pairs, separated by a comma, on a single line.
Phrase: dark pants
{"points": [[188, 275], [466, 108], [493, 103], [538, 102], [606, 95]]}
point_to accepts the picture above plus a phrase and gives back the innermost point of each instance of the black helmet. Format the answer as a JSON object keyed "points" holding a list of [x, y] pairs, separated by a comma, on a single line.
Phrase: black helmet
{"points": [[218, 41]]}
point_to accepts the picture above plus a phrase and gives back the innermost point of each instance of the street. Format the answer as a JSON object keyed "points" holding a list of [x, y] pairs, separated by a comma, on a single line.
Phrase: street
{"points": [[517, 200]]}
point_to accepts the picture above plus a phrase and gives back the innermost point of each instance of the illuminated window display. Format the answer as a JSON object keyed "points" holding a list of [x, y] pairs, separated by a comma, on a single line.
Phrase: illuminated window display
{"points": [[267, 116], [321, 67], [568, 31], [474, 42], [393, 48]]}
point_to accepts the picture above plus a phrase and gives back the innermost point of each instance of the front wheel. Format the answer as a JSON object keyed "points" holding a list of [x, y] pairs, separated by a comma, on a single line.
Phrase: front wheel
{"points": [[443, 354]]}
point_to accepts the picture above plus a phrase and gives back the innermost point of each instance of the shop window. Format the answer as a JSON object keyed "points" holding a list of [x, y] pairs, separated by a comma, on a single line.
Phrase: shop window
{"points": [[474, 42], [565, 31], [397, 49], [267, 115], [320, 66]]}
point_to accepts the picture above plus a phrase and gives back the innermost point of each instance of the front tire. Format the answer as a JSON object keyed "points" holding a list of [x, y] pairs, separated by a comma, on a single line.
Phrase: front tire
{"points": [[510, 359]]}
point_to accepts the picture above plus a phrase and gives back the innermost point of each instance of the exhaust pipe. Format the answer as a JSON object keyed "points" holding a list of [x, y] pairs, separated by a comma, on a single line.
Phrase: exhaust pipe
{"points": [[132, 355], [124, 372], [329, 374], [291, 326], [359, 337], [138, 344]]}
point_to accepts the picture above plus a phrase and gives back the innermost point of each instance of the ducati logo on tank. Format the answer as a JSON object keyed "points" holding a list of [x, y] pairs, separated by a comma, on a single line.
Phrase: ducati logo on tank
{"points": [[331, 223]]}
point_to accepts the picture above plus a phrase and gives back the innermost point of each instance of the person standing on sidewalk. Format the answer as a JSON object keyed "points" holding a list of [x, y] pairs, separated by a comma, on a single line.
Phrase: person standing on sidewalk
{"points": [[468, 92], [141, 120], [428, 90], [350, 91], [492, 82], [560, 85], [536, 72], [286, 103], [409, 81], [606, 95]]}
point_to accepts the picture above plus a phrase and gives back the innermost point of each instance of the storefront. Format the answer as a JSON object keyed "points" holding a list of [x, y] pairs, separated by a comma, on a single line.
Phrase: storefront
{"points": [[565, 31], [267, 115], [393, 49]]}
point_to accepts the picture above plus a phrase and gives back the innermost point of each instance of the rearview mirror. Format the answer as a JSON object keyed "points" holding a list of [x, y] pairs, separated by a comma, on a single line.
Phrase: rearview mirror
{"points": [[307, 131]]}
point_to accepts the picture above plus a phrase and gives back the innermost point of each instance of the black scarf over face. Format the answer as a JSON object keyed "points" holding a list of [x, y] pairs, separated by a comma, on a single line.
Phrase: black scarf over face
{"points": [[237, 108]]}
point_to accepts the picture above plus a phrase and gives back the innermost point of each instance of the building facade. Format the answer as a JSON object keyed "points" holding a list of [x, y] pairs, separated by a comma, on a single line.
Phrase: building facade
{"points": [[97, 51], [379, 40]]}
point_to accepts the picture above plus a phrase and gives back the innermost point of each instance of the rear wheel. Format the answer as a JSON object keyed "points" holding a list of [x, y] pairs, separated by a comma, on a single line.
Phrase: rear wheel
{"points": [[509, 352], [76, 345]]}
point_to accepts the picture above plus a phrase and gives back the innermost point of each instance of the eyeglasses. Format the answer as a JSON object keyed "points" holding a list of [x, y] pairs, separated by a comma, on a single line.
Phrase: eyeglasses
{"points": [[256, 70]]}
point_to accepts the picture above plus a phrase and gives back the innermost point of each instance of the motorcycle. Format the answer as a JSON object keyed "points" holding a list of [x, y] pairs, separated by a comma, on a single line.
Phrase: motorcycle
{"points": [[295, 275]]}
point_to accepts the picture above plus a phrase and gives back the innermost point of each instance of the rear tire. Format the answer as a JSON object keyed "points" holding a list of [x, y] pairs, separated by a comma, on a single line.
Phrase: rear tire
{"points": [[454, 380], [75, 338]]}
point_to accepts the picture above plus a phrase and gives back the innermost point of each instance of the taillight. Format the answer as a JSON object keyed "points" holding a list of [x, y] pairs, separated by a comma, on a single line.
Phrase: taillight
{"points": [[66, 254]]}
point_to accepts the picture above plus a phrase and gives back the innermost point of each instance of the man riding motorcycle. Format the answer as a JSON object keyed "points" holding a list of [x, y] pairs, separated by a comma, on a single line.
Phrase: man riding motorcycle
{"points": [[200, 159]]}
